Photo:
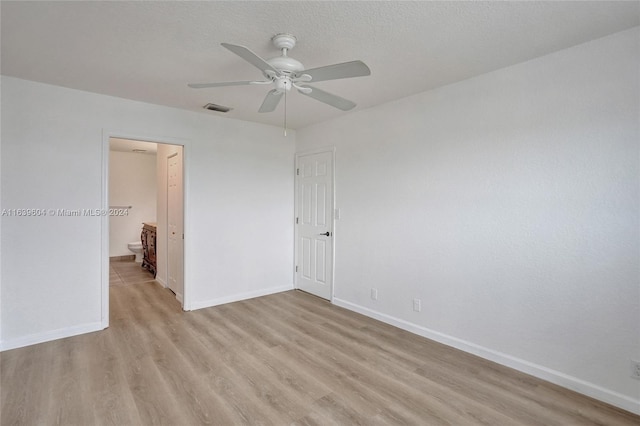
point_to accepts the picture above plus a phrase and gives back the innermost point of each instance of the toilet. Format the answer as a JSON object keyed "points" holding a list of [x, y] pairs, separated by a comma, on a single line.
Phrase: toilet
{"points": [[136, 247]]}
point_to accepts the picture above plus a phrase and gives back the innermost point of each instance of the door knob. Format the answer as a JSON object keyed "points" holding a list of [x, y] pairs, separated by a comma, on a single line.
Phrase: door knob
{"points": [[326, 234]]}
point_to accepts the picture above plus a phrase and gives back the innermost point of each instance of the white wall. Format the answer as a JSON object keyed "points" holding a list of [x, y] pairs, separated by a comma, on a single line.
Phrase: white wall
{"points": [[238, 181], [508, 204], [132, 182]]}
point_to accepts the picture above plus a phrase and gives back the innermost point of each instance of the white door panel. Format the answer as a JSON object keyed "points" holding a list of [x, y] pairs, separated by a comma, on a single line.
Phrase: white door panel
{"points": [[314, 225], [175, 224]]}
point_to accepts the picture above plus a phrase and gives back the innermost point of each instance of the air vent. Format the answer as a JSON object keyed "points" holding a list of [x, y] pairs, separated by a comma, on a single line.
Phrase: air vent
{"points": [[218, 108], [140, 151]]}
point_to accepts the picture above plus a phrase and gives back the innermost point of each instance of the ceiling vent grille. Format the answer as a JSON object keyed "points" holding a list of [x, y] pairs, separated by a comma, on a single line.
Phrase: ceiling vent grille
{"points": [[218, 108]]}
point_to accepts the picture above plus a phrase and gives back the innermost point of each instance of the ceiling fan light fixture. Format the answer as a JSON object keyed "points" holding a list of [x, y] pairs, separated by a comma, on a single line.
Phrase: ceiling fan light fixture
{"points": [[283, 84]]}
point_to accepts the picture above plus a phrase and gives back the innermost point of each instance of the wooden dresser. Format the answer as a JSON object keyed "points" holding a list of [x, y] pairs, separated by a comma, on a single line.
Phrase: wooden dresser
{"points": [[148, 237]]}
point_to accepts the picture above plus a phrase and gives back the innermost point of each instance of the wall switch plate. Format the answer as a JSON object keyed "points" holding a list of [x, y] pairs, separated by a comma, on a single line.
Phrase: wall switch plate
{"points": [[374, 293], [337, 214], [635, 369], [417, 305]]}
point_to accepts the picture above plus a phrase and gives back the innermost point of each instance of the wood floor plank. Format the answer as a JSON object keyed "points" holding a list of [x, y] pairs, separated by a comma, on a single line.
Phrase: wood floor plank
{"points": [[367, 391], [70, 370], [287, 358], [113, 403], [183, 382], [25, 365]]}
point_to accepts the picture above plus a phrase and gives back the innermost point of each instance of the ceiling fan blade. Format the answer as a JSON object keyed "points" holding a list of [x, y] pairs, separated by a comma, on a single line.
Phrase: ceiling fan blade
{"points": [[336, 71], [329, 99], [270, 101], [250, 57], [227, 83]]}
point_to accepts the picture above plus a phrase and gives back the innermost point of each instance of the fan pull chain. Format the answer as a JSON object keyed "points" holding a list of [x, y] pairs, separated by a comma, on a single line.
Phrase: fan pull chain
{"points": [[285, 113]]}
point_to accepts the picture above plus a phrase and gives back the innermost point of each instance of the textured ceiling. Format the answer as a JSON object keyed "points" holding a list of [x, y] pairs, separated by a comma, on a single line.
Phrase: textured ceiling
{"points": [[149, 51]]}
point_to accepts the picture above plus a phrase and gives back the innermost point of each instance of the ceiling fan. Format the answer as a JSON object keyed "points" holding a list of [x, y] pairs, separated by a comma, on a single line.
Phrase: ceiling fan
{"points": [[285, 72]]}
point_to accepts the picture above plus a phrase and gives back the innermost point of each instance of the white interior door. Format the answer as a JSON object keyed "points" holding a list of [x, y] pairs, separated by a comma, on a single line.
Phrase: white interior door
{"points": [[175, 234], [314, 224]]}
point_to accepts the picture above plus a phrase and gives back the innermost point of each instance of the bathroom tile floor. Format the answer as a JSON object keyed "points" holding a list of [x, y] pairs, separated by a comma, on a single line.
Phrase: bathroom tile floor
{"points": [[123, 273]]}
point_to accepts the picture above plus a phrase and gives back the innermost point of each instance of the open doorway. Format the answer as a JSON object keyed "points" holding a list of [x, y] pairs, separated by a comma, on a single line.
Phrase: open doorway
{"points": [[146, 209]]}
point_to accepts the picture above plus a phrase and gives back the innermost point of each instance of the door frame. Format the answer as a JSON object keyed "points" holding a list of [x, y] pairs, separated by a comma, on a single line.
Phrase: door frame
{"points": [[332, 151], [104, 219]]}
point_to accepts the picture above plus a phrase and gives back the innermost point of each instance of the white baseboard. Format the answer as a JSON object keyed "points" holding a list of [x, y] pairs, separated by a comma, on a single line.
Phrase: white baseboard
{"points": [[238, 297], [97, 326], [48, 336], [162, 283], [556, 377]]}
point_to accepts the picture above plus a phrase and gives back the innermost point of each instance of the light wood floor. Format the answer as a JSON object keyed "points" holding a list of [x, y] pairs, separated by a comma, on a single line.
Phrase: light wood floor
{"points": [[288, 358]]}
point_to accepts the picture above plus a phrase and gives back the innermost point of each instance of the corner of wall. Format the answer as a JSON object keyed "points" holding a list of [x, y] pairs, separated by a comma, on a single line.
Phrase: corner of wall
{"points": [[240, 296], [541, 372], [47, 336]]}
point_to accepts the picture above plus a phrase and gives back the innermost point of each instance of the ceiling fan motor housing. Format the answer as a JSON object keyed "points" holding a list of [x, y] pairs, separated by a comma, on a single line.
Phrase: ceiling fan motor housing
{"points": [[285, 64]]}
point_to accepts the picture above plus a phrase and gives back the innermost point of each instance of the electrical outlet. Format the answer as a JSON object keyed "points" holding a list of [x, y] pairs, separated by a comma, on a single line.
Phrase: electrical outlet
{"points": [[374, 293], [417, 305], [635, 369]]}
